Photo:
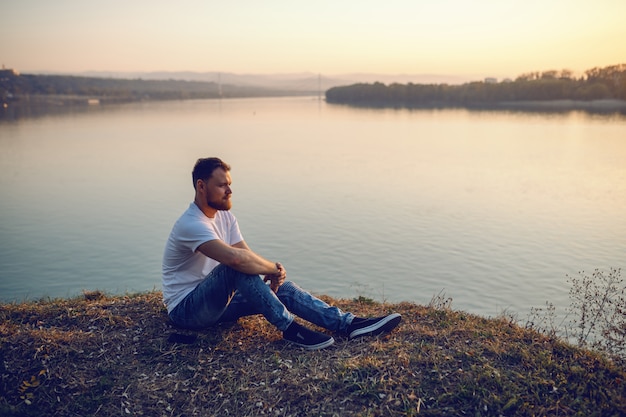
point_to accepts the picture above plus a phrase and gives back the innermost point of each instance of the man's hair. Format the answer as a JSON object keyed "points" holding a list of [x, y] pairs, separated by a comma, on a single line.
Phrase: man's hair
{"points": [[204, 168]]}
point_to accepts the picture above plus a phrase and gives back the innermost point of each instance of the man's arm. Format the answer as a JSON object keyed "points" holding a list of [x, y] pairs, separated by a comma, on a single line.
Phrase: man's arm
{"points": [[277, 279], [238, 257], [242, 245]]}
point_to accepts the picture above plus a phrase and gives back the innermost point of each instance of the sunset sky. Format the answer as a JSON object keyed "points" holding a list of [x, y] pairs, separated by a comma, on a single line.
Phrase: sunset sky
{"points": [[500, 38]]}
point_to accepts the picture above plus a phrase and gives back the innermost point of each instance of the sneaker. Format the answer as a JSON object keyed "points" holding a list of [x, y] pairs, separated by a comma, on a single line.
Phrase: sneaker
{"points": [[306, 338], [373, 326]]}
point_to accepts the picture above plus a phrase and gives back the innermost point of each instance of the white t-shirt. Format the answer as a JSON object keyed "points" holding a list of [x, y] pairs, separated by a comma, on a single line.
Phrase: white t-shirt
{"points": [[183, 266]]}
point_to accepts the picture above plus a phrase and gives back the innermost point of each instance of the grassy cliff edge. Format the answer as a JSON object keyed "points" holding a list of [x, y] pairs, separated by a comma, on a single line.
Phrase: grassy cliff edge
{"points": [[112, 355]]}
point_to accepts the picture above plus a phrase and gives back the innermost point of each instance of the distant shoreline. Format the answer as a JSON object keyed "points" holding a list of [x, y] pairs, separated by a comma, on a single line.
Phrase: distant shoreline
{"points": [[606, 104], [592, 106], [66, 99]]}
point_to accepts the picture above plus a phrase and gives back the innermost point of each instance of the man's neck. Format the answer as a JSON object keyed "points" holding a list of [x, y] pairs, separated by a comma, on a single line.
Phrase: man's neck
{"points": [[204, 208]]}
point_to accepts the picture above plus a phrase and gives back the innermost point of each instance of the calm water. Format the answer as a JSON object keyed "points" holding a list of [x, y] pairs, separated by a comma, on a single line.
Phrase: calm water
{"points": [[493, 209]]}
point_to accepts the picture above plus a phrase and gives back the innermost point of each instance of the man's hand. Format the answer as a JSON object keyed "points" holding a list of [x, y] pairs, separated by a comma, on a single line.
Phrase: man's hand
{"points": [[277, 279]]}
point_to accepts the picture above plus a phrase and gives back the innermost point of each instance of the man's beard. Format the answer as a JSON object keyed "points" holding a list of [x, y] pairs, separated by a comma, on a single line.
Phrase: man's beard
{"points": [[220, 205]]}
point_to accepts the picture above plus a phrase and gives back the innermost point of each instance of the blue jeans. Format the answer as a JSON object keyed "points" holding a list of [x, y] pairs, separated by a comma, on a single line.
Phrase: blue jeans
{"points": [[226, 295]]}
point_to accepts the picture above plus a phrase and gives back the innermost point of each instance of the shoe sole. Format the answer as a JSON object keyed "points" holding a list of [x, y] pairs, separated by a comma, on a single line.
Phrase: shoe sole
{"points": [[318, 346], [384, 326]]}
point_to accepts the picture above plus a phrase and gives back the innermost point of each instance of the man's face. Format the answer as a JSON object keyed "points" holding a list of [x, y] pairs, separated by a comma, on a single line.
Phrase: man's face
{"points": [[217, 190]]}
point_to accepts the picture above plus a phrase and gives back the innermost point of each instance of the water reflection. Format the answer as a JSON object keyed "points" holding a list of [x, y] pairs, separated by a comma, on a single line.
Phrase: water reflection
{"points": [[494, 208], [44, 107]]}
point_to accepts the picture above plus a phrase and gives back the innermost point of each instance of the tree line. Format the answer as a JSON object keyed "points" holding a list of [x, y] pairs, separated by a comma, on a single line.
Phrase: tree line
{"points": [[16, 87], [596, 84]]}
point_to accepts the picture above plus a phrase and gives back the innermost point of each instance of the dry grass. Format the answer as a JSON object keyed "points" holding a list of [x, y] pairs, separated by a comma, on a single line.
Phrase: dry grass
{"points": [[110, 355]]}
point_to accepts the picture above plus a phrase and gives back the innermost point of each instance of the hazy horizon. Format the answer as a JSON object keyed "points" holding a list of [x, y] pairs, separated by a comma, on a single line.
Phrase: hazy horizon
{"points": [[279, 79], [450, 38]]}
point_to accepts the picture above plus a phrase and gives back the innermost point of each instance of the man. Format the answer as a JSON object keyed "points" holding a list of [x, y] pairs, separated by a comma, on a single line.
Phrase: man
{"points": [[210, 275]]}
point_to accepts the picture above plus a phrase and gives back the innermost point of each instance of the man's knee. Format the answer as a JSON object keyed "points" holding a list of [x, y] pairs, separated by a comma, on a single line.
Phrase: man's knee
{"points": [[288, 287]]}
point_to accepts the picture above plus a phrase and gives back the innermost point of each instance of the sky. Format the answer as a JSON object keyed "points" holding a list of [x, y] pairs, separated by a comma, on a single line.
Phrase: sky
{"points": [[483, 38]]}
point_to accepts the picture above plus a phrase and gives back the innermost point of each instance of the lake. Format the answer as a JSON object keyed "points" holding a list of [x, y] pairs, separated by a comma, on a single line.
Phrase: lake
{"points": [[493, 209]]}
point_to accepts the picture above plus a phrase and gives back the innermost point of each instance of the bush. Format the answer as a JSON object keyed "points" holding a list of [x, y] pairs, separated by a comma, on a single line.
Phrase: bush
{"points": [[596, 317]]}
